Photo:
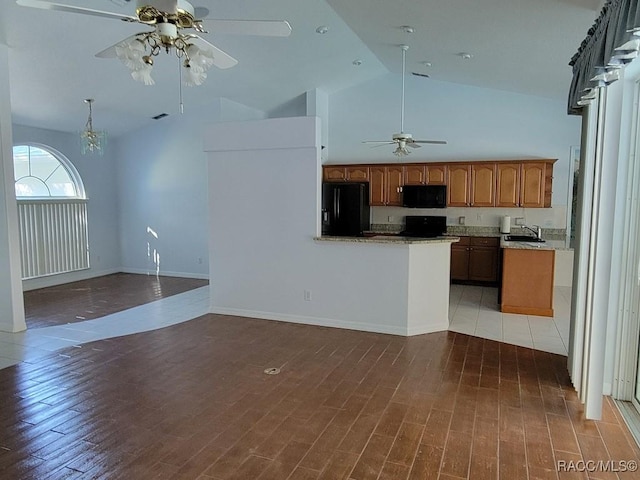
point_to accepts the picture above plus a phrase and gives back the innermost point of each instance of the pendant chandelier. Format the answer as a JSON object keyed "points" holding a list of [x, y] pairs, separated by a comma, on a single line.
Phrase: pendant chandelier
{"points": [[92, 141]]}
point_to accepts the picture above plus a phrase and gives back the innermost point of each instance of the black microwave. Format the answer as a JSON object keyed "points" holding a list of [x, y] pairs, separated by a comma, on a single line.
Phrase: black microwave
{"points": [[424, 196]]}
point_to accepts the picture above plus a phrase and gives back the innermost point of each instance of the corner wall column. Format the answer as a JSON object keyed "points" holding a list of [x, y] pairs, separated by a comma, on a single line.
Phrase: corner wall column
{"points": [[12, 317]]}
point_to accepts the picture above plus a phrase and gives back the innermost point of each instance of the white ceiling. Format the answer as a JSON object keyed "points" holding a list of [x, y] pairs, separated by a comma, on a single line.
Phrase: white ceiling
{"points": [[517, 45]]}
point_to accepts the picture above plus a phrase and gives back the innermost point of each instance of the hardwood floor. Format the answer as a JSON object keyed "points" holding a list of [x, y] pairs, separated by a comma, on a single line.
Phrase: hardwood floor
{"points": [[192, 401], [97, 297]]}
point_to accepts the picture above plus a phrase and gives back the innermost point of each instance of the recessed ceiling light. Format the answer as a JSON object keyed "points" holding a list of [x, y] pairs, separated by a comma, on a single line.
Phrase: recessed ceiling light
{"points": [[322, 29], [465, 55], [427, 64], [407, 29], [357, 62]]}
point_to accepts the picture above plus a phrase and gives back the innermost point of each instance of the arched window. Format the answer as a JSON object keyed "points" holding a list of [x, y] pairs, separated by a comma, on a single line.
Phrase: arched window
{"points": [[44, 173], [52, 212]]}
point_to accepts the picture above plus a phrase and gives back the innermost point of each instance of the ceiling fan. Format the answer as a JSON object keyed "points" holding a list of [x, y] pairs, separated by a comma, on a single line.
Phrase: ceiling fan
{"points": [[403, 140], [169, 19]]}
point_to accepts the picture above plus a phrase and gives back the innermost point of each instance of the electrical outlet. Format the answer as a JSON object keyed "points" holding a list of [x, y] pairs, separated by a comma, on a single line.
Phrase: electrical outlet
{"points": [[307, 295], [461, 220], [479, 217]]}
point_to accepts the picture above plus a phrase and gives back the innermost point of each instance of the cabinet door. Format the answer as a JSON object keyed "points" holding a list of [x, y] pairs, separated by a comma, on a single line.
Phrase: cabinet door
{"points": [[335, 174], [458, 185], [532, 184], [414, 174], [394, 180], [357, 174], [483, 184], [508, 185], [436, 175], [459, 262], [483, 264], [377, 186]]}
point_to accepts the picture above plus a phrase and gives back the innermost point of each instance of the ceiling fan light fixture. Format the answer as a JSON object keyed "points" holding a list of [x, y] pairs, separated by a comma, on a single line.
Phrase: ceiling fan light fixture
{"points": [[143, 75], [199, 58]]}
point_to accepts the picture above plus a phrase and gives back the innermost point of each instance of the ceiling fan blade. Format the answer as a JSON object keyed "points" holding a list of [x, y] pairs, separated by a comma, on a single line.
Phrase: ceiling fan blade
{"points": [[221, 59], [381, 142], [433, 142], [72, 9], [413, 145], [266, 28], [110, 52]]}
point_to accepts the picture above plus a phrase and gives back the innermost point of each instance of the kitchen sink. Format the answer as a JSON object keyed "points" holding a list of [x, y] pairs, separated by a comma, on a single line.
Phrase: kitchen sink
{"points": [[522, 238]]}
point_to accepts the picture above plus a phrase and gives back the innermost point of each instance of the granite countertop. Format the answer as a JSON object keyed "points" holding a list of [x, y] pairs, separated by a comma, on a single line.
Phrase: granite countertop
{"points": [[388, 239], [546, 245]]}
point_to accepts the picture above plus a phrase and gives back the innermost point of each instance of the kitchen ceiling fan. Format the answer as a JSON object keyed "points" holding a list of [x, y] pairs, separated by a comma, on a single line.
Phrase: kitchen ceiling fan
{"points": [[403, 140], [170, 19]]}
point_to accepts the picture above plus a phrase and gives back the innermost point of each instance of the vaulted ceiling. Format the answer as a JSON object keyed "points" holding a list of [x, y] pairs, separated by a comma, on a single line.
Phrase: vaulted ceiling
{"points": [[516, 45]]}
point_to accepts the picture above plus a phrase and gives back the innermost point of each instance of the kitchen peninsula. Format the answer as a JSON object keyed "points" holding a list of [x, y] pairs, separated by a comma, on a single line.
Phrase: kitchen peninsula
{"points": [[528, 277], [414, 271]]}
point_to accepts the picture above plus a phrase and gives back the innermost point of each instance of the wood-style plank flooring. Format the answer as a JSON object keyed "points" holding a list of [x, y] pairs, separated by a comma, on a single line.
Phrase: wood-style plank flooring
{"points": [[192, 401], [100, 296]]}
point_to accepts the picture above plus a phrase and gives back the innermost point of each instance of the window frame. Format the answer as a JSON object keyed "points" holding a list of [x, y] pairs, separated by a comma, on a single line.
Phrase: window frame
{"points": [[64, 162]]}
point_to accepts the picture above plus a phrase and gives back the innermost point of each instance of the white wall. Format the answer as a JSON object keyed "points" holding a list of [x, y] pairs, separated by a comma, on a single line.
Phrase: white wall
{"points": [[263, 256], [162, 188], [98, 175], [477, 123]]}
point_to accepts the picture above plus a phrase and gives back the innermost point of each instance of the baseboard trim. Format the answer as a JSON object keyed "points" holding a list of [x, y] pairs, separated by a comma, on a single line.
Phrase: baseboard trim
{"points": [[141, 271], [306, 320]]}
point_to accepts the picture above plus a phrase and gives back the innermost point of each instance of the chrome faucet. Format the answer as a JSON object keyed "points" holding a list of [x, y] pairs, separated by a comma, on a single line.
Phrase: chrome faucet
{"points": [[537, 231]]}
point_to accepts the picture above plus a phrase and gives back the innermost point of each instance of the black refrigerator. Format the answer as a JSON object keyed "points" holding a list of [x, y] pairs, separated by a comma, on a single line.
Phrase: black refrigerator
{"points": [[345, 209]]}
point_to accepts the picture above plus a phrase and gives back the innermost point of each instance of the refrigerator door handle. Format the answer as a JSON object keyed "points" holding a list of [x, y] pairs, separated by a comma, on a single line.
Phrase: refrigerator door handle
{"points": [[337, 203], [325, 216]]}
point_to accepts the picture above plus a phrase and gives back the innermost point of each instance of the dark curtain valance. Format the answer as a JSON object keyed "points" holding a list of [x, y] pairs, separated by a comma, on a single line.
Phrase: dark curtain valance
{"points": [[611, 30]]}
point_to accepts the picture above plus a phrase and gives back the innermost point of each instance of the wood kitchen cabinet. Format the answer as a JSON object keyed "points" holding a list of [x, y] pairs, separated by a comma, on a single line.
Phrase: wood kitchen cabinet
{"points": [[508, 184], [385, 184], [436, 174], [524, 184], [425, 174], [357, 174], [483, 185], [532, 184], [471, 185], [415, 174], [458, 185], [475, 260], [349, 173], [334, 173], [530, 293], [500, 183]]}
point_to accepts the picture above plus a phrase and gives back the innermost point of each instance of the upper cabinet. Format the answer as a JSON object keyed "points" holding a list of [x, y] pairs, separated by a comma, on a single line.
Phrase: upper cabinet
{"points": [[425, 174], [508, 185], [471, 185], [346, 173], [501, 183], [385, 185], [483, 185], [459, 185], [524, 184]]}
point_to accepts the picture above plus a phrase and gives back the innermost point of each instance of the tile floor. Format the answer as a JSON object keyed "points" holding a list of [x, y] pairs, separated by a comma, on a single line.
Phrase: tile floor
{"points": [[474, 311], [35, 343]]}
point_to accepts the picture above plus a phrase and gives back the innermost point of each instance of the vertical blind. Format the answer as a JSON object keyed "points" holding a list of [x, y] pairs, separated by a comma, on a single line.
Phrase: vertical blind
{"points": [[53, 236]]}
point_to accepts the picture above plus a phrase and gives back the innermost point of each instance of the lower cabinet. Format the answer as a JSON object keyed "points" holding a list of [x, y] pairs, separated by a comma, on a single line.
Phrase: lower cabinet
{"points": [[475, 260]]}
